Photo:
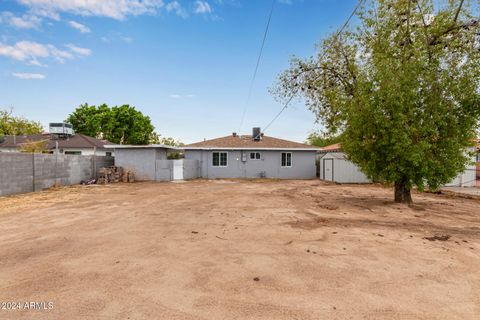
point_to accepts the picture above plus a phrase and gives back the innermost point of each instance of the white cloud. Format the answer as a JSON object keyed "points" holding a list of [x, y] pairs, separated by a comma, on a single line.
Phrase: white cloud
{"points": [[202, 7], [127, 39], [31, 52], [80, 27], [79, 50], [176, 7], [29, 76], [180, 96], [116, 9], [26, 21]]}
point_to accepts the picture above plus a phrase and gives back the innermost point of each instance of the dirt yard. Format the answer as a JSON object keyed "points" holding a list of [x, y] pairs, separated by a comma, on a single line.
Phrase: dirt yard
{"points": [[239, 250]]}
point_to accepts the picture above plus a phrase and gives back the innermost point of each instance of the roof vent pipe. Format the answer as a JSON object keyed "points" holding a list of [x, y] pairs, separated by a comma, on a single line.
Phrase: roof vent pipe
{"points": [[234, 134]]}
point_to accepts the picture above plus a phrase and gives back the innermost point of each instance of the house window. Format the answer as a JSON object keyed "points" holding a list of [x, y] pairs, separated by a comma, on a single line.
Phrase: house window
{"points": [[286, 159], [73, 152], [108, 154], [255, 155], [219, 159]]}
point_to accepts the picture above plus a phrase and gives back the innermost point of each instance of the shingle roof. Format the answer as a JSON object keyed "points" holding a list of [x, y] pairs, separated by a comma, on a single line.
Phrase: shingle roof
{"points": [[246, 142], [75, 141]]}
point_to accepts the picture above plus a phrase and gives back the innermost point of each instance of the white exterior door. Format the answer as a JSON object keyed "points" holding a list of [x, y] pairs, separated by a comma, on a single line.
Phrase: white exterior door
{"points": [[328, 169], [177, 169]]}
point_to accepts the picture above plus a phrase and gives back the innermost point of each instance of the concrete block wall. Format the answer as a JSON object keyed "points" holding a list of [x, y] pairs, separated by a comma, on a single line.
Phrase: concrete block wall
{"points": [[23, 172], [16, 173]]}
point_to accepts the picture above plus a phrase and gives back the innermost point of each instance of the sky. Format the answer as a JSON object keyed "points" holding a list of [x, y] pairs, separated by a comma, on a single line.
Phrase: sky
{"points": [[187, 64]]}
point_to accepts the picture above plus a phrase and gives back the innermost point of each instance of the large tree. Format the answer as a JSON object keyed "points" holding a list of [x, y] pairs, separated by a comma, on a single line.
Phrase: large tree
{"points": [[402, 88], [15, 125], [119, 124]]}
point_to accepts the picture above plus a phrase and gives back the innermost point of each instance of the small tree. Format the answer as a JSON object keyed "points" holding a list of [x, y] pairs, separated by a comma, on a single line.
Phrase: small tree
{"points": [[174, 143], [34, 146], [15, 125], [403, 89]]}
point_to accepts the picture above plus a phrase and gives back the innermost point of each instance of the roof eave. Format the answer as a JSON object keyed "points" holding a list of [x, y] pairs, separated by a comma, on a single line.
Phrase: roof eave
{"points": [[148, 146], [250, 148]]}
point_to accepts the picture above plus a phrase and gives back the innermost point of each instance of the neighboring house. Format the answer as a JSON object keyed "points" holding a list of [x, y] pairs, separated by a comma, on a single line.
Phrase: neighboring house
{"points": [[335, 167], [76, 144], [252, 156]]}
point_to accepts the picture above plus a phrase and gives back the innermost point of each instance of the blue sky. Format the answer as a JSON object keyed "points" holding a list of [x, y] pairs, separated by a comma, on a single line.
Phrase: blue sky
{"points": [[187, 64]]}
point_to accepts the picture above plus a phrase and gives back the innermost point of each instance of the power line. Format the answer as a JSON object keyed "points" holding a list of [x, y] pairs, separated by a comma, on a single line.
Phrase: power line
{"points": [[257, 65], [285, 106]]}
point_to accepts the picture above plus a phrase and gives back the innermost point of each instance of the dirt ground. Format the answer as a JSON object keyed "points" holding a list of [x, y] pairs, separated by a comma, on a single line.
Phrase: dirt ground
{"points": [[239, 250]]}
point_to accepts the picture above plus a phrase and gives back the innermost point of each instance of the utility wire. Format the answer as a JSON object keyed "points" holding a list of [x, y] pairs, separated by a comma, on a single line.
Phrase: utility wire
{"points": [[257, 65], [285, 106]]}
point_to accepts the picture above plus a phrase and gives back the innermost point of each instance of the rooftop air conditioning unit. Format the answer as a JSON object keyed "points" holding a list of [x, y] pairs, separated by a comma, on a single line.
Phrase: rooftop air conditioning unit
{"points": [[257, 134], [61, 129]]}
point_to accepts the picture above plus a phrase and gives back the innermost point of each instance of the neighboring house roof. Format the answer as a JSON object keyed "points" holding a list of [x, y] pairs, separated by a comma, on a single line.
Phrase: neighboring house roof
{"points": [[332, 148], [246, 142], [75, 141]]}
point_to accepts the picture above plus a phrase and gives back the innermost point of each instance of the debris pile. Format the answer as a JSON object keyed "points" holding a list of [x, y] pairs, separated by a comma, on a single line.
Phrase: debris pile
{"points": [[115, 174]]}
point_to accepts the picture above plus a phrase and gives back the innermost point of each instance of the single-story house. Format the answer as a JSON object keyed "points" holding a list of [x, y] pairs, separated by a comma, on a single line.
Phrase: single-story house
{"points": [[75, 144], [148, 162], [252, 156], [335, 167]]}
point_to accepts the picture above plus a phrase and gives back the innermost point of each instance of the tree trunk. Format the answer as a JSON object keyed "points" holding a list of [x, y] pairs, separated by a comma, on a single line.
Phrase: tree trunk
{"points": [[402, 193]]}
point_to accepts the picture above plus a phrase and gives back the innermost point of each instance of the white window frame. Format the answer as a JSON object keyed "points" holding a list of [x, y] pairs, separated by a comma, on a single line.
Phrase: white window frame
{"points": [[286, 159], [219, 159], [255, 157]]}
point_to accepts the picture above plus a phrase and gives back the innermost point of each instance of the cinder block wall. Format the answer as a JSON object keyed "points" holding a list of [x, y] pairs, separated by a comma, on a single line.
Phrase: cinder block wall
{"points": [[23, 172]]}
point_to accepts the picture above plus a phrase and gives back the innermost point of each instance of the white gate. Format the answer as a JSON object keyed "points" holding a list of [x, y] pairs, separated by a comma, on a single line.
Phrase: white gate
{"points": [[178, 169]]}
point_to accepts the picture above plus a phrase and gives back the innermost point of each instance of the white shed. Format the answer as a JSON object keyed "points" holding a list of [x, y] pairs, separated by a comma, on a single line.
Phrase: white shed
{"points": [[335, 167]]}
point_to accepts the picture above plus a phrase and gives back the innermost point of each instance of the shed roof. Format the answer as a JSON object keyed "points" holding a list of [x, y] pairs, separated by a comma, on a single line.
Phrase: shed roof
{"points": [[247, 142]]}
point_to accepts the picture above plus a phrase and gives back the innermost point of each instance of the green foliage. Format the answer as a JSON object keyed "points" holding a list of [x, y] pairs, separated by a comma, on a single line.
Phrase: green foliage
{"points": [[34, 146], [119, 124], [320, 139], [174, 143], [14, 125], [403, 89]]}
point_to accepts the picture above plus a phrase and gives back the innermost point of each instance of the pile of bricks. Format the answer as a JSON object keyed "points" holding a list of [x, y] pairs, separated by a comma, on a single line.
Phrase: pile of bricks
{"points": [[115, 174]]}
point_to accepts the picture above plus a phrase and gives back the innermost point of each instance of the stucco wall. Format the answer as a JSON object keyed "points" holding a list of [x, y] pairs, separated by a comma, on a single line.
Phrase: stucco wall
{"points": [[142, 161], [303, 165]]}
